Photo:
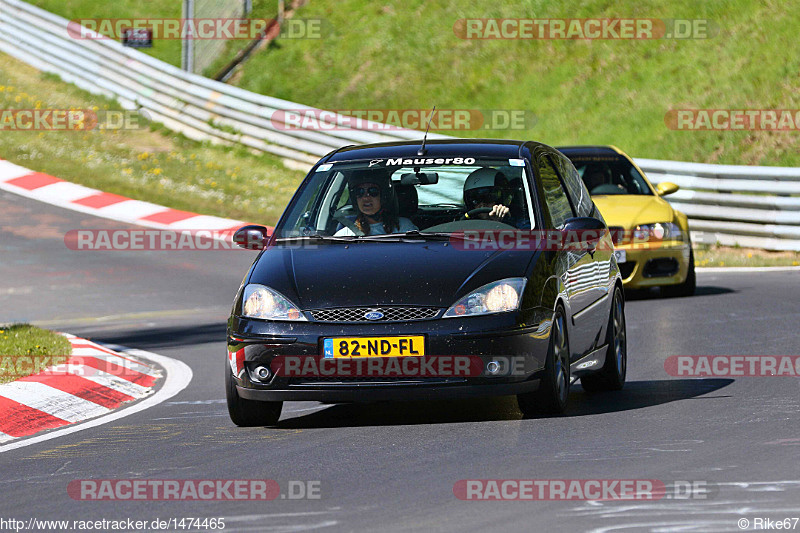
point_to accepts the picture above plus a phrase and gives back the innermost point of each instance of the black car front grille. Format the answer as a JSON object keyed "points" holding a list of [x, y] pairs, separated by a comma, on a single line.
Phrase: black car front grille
{"points": [[390, 314]]}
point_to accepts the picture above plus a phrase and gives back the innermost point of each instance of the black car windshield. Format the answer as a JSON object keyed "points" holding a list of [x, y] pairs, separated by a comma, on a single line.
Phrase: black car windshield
{"points": [[391, 196], [609, 174]]}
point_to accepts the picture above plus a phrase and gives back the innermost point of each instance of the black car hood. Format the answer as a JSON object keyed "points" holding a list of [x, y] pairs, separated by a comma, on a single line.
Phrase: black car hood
{"points": [[383, 273]]}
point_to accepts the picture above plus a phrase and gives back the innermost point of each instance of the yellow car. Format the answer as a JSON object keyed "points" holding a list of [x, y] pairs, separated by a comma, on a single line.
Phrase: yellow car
{"points": [[651, 239]]}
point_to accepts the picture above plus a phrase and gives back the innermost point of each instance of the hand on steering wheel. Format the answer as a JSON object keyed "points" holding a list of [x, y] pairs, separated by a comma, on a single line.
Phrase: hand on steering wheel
{"points": [[498, 211], [477, 211]]}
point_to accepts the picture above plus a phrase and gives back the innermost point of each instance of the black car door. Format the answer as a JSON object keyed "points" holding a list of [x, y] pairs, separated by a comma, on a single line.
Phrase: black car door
{"points": [[595, 316], [576, 268]]}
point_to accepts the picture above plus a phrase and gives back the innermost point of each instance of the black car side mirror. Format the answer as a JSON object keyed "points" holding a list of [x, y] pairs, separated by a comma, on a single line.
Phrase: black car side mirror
{"points": [[252, 237], [583, 230]]}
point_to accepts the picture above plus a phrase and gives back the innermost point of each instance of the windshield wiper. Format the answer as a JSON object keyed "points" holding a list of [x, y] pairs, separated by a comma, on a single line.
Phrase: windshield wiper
{"points": [[415, 234], [387, 237], [319, 237]]}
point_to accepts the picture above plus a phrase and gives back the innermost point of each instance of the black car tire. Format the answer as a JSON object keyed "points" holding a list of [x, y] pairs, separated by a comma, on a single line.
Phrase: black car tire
{"points": [[551, 396], [612, 376], [249, 413], [686, 288]]}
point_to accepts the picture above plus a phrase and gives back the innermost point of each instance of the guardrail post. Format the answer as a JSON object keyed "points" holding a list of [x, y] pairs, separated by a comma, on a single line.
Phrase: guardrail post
{"points": [[187, 44]]}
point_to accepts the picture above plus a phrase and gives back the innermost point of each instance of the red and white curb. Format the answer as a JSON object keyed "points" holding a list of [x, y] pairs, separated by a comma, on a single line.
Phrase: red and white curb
{"points": [[94, 385], [61, 193]]}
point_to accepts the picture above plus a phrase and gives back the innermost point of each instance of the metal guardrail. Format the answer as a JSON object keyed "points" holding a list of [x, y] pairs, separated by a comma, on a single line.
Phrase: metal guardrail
{"points": [[757, 207], [200, 108], [750, 206]]}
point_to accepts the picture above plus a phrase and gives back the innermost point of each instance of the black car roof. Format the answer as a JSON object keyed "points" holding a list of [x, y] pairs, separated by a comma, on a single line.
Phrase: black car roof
{"points": [[587, 150], [491, 148]]}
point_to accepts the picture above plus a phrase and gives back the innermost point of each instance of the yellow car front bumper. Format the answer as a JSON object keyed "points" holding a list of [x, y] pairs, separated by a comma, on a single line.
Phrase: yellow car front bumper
{"points": [[667, 264]]}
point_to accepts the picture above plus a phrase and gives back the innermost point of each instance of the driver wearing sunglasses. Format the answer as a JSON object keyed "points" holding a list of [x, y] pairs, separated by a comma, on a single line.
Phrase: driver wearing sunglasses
{"points": [[376, 204]]}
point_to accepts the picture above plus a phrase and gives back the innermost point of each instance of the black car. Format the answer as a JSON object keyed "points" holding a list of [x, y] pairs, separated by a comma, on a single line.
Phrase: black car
{"points": [[373, 278]]}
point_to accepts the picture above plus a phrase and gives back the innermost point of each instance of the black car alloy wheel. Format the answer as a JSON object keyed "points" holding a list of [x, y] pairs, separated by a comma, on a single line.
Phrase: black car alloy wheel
{"points": [[551, 396], [612, 375]]}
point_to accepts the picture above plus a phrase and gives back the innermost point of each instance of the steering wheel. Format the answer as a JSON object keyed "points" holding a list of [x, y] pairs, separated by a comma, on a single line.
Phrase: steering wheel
{"points": [[477, 211]]}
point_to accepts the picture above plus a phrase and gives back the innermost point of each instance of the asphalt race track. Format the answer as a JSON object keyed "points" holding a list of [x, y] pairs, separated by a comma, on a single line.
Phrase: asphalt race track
{"points": [[392, 467]]}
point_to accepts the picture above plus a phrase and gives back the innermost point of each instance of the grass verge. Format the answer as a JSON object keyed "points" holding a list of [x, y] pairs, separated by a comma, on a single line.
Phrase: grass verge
{"points": [[26, 350], [150, 163], [405, 54], [728, 256]]}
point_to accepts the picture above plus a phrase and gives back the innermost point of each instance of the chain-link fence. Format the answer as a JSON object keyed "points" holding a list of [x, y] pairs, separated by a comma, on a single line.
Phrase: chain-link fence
{"points": [[198, 54]]}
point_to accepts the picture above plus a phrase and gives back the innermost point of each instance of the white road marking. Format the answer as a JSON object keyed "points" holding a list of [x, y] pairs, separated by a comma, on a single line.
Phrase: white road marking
{"points": [[706, 515], [114, 360], [64, 194], [184, 417], [63, 191], [286, 528], [204, 222], [9, 171], [259, 517], [52, 401], [111, 381], [178, 376], [225, 311], [132, 209], [264, 519]]}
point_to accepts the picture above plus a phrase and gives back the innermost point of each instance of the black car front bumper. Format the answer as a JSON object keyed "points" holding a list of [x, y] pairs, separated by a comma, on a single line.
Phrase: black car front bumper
{"points": [[253, 343]]}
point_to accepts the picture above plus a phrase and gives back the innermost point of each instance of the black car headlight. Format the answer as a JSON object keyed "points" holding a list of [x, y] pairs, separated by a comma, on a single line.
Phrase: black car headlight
{"points": [[262, 302], [496, 297]]}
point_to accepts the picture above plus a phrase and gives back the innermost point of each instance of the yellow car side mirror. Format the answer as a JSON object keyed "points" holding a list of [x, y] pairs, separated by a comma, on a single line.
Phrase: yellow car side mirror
{"points": [[666, 187]]}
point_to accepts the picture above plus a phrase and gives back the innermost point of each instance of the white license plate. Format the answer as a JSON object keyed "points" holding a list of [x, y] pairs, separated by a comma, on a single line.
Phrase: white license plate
{"points": [[621, 255], [337, 347]]}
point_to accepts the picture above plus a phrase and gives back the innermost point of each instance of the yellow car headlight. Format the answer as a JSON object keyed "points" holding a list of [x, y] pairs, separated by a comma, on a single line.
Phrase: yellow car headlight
{"points": [[660, 231]]}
